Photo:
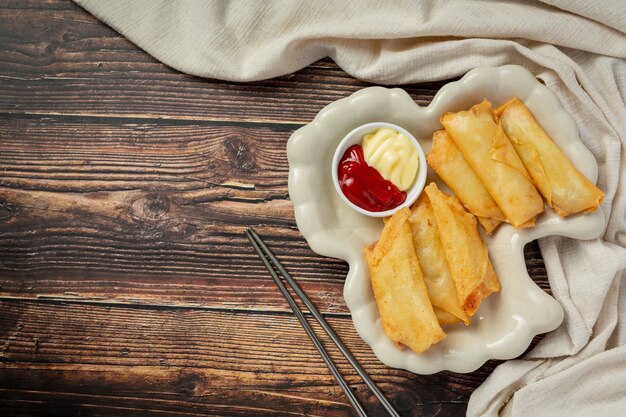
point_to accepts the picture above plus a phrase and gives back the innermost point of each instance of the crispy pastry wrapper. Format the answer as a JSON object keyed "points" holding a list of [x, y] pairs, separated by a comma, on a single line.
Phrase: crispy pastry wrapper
{"points": [[405, 309], [448, 162], [445, 317], [464, 249], [565, 189], [492, 157], [429, 250]]}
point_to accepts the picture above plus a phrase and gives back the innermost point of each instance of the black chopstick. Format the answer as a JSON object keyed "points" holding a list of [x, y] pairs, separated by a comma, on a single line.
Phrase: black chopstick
{"points": [[267, 256]]}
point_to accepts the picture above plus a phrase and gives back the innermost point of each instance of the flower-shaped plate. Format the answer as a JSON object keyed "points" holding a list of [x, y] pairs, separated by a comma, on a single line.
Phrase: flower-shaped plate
{"points": [[507, 321]]}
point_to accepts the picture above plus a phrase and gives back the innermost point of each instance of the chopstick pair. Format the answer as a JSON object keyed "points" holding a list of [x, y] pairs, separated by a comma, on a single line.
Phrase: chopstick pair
{"points": [[269, 259]]}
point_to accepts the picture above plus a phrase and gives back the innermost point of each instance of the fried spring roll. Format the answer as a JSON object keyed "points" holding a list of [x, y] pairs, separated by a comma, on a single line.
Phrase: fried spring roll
{"points": [[492, 157], [565, 189], [439, 282], [464, 249], [448, 162], [445, 317], [406, 313]]}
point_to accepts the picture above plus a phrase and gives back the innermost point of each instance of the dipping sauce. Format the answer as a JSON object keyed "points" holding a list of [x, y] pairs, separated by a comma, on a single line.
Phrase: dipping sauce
{"points": [[364, 185], [393, 155]]}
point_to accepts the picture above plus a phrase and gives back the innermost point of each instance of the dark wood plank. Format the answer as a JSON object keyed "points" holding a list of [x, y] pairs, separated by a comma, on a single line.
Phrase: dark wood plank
{"points": [[75, 65], [156, 203], [84, 154], [89, 360]]}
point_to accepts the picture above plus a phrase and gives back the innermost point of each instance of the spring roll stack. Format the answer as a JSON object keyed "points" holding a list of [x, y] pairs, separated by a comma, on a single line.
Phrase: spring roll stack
{"points": [[406, 313], [429, 269], [499, 164]]}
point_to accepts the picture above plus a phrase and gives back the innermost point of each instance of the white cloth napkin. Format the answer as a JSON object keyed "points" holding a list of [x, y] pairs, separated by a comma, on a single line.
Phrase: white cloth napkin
{"points": [[577, 47]]}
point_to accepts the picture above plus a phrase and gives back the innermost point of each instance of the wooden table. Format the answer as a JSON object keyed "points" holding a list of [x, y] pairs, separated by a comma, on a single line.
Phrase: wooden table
{"points": [[127, 286]]}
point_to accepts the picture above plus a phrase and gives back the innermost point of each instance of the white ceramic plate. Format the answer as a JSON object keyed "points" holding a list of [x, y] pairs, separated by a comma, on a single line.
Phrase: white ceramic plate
{"points": [[507, 321]]}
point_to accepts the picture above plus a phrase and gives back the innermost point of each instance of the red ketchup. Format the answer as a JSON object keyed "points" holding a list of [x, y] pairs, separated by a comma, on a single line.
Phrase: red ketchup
{"points": [[364, 186]]}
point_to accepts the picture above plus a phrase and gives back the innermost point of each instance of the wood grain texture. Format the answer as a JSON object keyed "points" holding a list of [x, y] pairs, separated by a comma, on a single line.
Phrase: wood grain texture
{"points": [[204, 362], [126, 283]]}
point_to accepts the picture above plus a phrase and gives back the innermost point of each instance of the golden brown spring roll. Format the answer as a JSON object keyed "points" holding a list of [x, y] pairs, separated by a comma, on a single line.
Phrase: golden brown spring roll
{"points": [[406, 313], [492, 157], [448, 162], [444, 317], [439, 282], [565, 189], [464, 249]]}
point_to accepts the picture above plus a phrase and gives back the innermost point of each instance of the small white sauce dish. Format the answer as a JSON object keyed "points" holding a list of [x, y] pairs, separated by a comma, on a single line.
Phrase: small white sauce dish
{"points": [[355, 137]]}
